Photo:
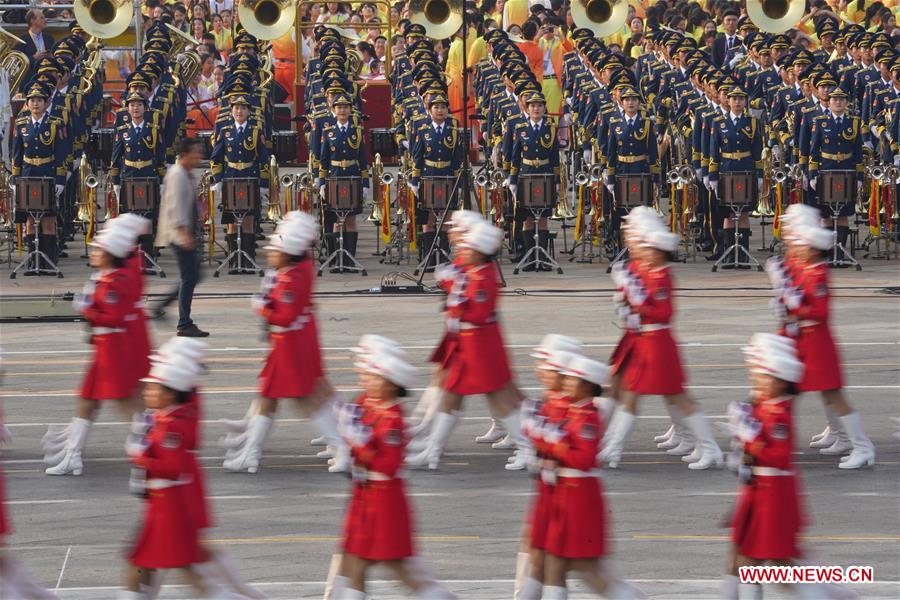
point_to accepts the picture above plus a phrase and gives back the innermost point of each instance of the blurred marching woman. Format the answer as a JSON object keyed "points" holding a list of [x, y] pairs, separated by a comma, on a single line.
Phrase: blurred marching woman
{"points": [[802, 304], [652, 365], [218, 567], [472, 355], [574, 529], [293, 367], [15, 581], [551, 359], [430, 400], [378, 526], [111, 303], [768, 516]]}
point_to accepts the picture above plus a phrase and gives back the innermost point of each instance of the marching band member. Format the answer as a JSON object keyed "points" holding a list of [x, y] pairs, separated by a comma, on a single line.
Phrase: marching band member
{"points": [[806, 297], [343, 155], [286, 305], [240, 151], [378, 525], [576, 531], [106, 303], [473, 353], [653, 365], [38, 152]]}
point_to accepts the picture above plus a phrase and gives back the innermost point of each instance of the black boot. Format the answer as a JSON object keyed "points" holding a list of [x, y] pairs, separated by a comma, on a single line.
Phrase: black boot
{"points": [[745, 244], [425, 240], [330, 244], [231, 243], [527, 244], [28, 246], [49, 245], [843, 235], [727, 242], [544, 243], [350, 240], [248, 244]]}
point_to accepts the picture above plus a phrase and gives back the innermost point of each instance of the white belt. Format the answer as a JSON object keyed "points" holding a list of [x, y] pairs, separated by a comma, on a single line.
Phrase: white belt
{"points": [[362, 475], [106, 330], [770, 472], [161, 484], [577, 473], [654, 327], [465, 325], [298, 324], [808, 323]]}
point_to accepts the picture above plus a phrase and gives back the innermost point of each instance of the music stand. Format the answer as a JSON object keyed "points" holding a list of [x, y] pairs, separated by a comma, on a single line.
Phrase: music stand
{"points": [[738, 191], [35, 196], [836, 190], [344, 196], [537, 196], [630, 190], [240, 197], [435, 193], [140, 195]]}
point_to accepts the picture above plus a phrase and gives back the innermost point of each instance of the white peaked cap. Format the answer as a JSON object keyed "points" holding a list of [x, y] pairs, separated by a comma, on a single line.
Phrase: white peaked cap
{"points": [[554, 341], [391, 367], [371, 343], [483, 237], [588, 370]]}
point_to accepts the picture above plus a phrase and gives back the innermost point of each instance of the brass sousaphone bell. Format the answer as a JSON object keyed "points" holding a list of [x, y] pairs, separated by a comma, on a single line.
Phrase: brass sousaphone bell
{"points": [[440, 18], [104, 19], [267, 19], [603, 17], [775, 16]]}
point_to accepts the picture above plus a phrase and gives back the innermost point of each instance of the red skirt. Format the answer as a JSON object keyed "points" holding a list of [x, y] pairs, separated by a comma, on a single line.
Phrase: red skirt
{"points": [[821, 362], [441, 354], [197, 496], [654, 365], [168, 539], [294, 364], [767, 519], [108, 378], [476, 361], [622, 353], [136, 331], [5, 526], [378, 525], [539, 518], [577, 519]]}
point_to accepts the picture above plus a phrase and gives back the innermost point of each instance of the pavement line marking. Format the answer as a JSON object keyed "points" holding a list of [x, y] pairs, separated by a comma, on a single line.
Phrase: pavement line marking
{"points": [[27, 502], [11, 394], [236, 497], [63, 569], [813, 538], [332, 538], [431, 347]]}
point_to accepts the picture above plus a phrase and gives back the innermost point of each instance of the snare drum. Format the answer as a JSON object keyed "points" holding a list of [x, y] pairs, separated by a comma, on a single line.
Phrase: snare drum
{"points": [[101, 145], [240, 195], [284, 146], [140, 195], [344, 194], [384, 143], [436, 192], [205, 138]]}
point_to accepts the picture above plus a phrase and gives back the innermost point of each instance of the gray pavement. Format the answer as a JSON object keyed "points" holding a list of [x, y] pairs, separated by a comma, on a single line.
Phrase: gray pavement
{"points": [[283, 523]]}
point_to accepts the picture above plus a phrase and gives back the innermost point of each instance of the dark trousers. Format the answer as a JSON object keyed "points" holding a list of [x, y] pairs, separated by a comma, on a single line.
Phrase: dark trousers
{"points": [[189, 269]]}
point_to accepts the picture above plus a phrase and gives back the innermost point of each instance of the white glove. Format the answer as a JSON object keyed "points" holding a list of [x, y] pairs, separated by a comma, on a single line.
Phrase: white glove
{"points": [[80, 302], [58, 189], [778, 309], [776, 153], [775, 271], [611, 188], [748, 430], [896, 162], [552, 433], [530, 408], [258, 302], [706, 183], [162, 191], [405, 144], [737, 413], [12, 188], [759, 184], [513, 189], [587, 155], [618, 275], [619, 299], [358, 434], [805, 182], [347, 413], [445, 272], [623, 311], [322, 190], [792, 298], [414, 188], [216, 188], [532, 426], [812, 183], [633, 321], [506, 182], [699, 174], [141, 422], [635, 294]]}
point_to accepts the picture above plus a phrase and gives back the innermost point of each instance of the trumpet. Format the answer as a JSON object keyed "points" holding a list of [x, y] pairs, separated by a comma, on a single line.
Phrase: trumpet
{"points": [[673, 177], [387, 179], [481, 180], [779, 175], [877, 172], [288, 181], [582, 178]]}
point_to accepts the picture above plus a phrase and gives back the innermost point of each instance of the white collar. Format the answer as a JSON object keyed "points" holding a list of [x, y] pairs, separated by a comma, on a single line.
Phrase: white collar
{"points": [[836, 116], [436, 125], [136, 125], [733, 116], [533, 124], [631, 118]]}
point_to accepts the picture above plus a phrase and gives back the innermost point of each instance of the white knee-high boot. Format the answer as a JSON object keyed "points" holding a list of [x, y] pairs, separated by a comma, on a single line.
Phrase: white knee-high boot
{"points": [[247, 457], [429, 403], [79, 429], [829, 434], [619, 428], [863, 453], [555, 592], [443, 426], [523, 446], [331, 580], [326, 422], [711, 453]]}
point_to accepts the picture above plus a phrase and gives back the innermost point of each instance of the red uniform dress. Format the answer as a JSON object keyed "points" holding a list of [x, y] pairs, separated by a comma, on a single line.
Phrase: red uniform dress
{"points": [[655, 365], [197, 488], [578, 512], [449, 275], [767, 517], [168, 538], [815, 345], [136, 322], [109, 376], [5, 527], [553, 410], [476, 360], [622, 352], [378, 525], [294, 364]]}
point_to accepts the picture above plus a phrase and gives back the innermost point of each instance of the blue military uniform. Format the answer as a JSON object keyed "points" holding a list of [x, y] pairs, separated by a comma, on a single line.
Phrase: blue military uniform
{"points": [[837, 145]]}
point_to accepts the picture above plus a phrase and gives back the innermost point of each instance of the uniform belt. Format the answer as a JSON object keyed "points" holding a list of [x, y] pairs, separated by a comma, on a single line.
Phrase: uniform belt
{"points": [[735, 155], [239, 166], [437, 164], [38, 161], [577, 473], [831, 156], [362, 475], [138, 164], [106, 330], [654, 327], [464, 325], [808, 323], [298, 324], [344, 164], [770, 472], [631, 159], [161, 484], [536, 163]]}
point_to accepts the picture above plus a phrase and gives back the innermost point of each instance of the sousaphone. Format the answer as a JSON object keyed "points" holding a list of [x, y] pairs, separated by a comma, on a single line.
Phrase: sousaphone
{"points": [[775, 16], [603, 17]]}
